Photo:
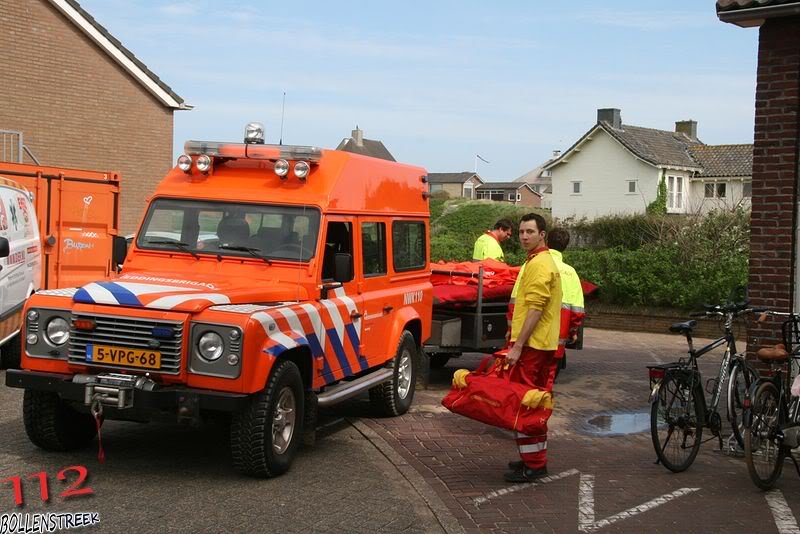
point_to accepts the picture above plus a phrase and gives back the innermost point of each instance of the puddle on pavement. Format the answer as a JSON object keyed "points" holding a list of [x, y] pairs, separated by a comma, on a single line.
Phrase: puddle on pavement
{"points": [[619, 423]]}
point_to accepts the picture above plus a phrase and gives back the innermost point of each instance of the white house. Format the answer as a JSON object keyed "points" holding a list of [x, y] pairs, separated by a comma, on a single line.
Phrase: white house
{"points": [[615, 168]]}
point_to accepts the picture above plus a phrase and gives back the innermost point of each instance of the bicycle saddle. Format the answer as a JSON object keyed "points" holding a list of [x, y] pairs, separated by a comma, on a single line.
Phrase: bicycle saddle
{"points": [[773, 354], [683, 328]]}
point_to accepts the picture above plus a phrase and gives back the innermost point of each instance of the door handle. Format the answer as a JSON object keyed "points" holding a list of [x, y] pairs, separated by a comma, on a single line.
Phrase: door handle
{"points": [[355, 315], [387, 309]]}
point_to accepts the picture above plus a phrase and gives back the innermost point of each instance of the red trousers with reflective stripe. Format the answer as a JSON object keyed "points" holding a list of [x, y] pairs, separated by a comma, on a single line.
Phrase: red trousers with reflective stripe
{"points": [[533, 369]]}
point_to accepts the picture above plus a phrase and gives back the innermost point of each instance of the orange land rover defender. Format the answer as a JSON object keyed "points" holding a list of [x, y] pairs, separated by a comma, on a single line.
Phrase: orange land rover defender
{"points": [[264, 281]]}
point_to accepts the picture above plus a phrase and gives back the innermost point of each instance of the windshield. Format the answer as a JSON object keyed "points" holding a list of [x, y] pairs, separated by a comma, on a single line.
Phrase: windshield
{"points": [[230, 229]]}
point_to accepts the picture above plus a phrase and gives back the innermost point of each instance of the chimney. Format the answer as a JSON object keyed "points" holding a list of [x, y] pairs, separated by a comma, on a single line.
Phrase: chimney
{"points": [[358, 137], [688, 128], [611, 116]]}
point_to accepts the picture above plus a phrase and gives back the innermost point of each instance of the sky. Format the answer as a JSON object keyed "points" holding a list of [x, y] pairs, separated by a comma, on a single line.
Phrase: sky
{"points": [[440, 81]]}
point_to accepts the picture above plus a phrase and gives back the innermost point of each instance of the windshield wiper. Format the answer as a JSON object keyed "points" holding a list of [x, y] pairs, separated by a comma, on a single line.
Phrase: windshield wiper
{"points": [[182, 246], [250, 250]]}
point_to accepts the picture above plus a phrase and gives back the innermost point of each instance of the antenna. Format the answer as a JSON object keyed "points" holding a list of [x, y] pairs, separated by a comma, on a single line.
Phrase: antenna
{"points": [[283, 109]]}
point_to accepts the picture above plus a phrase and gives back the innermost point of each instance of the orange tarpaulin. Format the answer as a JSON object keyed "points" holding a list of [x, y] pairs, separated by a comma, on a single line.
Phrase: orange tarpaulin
{"points": [[495, 273]]}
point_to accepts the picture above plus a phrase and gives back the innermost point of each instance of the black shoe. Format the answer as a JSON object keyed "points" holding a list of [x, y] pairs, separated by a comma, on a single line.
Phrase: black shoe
{"points": [[516, 466], [525, 475]]}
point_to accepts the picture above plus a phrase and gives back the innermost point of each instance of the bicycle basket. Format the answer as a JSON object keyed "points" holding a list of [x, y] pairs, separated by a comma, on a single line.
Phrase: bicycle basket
{"points": [[791, 334]]}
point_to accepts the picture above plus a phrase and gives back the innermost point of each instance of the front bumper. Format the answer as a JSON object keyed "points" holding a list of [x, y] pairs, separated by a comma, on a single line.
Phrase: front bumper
{"points": [[178, 399]]}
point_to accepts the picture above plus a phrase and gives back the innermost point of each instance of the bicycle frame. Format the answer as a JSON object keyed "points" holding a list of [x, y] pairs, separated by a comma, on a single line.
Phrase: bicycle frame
{"points": [[726, 365]]}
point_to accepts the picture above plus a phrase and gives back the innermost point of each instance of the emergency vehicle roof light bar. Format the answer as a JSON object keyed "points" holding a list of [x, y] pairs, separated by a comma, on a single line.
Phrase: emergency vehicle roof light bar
{"points": [[310, 154]]}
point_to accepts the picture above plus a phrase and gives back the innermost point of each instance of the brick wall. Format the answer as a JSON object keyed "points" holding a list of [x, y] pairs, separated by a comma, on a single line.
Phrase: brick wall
{"points": [[775, 173], [654, 321], [76, 107]]}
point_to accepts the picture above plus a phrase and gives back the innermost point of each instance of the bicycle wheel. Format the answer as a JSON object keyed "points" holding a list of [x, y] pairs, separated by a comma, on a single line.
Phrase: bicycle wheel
{"points": [[676, 422], [743, 375], [763, 451]]}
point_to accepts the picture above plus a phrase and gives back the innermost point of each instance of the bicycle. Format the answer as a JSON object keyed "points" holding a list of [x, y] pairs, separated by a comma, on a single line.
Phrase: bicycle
{"points": [[772, 413], [679, 411]]}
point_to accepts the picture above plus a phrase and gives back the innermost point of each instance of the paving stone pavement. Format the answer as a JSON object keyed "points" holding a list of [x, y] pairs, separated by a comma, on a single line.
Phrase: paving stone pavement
{"points": [[463, 461], [428, 471]]}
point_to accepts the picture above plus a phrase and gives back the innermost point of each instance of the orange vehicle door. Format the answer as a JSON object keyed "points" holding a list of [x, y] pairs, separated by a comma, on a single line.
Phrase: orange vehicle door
{"points": [[374, 287], [342, 313]]}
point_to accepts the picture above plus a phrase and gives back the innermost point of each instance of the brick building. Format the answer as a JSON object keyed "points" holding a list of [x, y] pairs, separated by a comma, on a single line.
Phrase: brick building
{"points": [[81, 99], [774, 237]]}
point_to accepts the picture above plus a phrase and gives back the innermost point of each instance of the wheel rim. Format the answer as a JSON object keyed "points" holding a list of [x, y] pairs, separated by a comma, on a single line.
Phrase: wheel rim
{"points": [[283, 421], [677, 424], [765, 447], [404, 374]]}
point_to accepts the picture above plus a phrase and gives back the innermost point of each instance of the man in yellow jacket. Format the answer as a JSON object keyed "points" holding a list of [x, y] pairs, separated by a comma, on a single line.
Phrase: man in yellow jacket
{"points": [[534, 337], [488, 244], [572, 311]]}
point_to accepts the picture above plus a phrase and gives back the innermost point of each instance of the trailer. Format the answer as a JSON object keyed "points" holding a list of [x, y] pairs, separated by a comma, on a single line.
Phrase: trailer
{"points": [[479, 326]]}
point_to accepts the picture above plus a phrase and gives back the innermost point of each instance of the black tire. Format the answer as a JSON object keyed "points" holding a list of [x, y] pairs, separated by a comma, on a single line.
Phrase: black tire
{"points": [[395, 396], [53, 425], [763, 451], [676, 422], [11, 353], [265, 435], [439, 360], [743, 375]]}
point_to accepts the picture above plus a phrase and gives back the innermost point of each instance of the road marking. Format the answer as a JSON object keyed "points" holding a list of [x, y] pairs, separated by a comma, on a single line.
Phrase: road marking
{"points": [[586, 520], [477, 501], [781, 512]]}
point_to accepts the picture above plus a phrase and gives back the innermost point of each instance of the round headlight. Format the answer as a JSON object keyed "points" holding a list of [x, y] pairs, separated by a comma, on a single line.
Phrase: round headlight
{"points": [[203, 163], [184, 163], [210, 346], [282, 167], [301, 169], [57, 331]]}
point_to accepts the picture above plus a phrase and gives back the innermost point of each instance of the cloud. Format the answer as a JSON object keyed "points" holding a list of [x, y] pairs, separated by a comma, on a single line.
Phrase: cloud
{"points": [[668, 21], [179, 9]]}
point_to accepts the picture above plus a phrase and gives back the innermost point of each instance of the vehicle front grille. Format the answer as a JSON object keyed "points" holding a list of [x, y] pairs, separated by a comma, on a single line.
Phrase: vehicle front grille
{"points": [[127, 332]]}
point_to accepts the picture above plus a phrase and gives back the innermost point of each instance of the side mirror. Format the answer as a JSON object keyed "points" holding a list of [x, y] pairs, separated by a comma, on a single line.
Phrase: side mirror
{"points": [[5, 249], [119, 249], [343, 267]]}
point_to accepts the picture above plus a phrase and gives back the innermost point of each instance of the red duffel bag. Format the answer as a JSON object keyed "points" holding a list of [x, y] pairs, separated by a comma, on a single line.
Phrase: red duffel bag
{"points": [[490, 396]]}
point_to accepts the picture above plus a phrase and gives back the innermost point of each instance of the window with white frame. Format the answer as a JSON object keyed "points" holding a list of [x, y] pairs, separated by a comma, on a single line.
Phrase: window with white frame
{"points": [[577, 188], [747, 189], [468, 190], [491, 194], [631, 186], [675, 193], [715, 190]]}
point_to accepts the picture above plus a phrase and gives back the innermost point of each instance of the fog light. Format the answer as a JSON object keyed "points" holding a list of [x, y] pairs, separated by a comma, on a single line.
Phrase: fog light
{"points": [[203, 164], [184, 163], [301, 169], [33, 315], [31, 339], [234, 335], [232, 359], [282, 168]]}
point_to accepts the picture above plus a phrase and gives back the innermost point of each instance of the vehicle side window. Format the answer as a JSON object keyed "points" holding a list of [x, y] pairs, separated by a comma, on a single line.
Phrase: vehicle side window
{"points": [[373, 247], [338, 239], [408, 245]]}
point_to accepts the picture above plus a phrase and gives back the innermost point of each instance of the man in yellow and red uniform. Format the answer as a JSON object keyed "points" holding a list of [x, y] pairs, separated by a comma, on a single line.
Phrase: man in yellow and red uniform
{"points": [[572, 311], [534, 338], [488, 244]]}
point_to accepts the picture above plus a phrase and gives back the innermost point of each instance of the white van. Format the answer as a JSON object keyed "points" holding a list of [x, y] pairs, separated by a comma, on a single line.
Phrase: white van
{"points": [[20, 266]]}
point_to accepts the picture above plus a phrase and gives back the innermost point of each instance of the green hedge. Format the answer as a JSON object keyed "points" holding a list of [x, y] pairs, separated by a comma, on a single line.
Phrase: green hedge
{"points": [[636, 260]]}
